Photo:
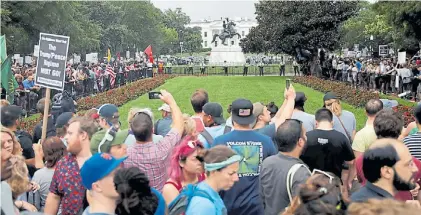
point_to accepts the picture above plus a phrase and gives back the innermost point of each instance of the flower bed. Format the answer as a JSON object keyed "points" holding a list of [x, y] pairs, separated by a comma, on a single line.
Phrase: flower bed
{"points": [[350, 95], [118, 96]]}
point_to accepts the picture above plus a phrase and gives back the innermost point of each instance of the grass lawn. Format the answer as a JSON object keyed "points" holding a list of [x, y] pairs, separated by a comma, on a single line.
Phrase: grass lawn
{"points": [[224, 90]]}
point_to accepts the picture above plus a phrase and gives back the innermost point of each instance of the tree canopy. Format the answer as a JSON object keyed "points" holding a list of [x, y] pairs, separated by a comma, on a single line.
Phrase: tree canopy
{"points": [[395, 23], [95, 26], [285, 26]]}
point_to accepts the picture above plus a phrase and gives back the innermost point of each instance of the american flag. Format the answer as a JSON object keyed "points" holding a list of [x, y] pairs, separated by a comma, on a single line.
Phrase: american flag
{"points": [[111, 73]]}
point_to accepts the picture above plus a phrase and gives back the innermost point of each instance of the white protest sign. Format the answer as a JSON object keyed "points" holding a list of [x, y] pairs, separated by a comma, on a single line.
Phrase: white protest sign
{"points": [[36, 50], [20, 61], [76, 58], [28, 59], [16, 56], [88, 58], [94, 57], [401, 57], [127, 54]]}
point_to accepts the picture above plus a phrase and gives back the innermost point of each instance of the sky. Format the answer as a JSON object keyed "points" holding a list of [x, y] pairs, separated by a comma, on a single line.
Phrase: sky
{"points": [[205, 9]]}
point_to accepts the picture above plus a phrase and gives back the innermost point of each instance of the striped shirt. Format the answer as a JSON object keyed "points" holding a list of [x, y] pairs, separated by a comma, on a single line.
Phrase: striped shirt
{"points": [[413, 142]]}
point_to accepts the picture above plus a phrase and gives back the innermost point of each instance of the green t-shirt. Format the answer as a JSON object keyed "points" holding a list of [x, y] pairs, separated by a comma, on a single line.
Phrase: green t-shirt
{"points": [[413, 131]]}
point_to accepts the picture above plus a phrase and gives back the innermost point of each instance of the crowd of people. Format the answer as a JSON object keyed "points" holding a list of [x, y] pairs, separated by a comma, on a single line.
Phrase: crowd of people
{"points": [[264, 159], [383, 75], [81, 79]]}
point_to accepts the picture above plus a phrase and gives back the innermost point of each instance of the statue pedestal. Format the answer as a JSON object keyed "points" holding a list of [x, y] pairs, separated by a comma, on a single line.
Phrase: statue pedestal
{"points": [[233, 55]]}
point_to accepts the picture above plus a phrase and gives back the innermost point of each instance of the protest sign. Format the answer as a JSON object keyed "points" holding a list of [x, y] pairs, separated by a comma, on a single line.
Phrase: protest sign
{"points": [[36, 50], [28, 59], [127, 54], [16, 57], [51, 62], [401, 57], [20, 61], [76, 58], [383, 50], [92, 57]]}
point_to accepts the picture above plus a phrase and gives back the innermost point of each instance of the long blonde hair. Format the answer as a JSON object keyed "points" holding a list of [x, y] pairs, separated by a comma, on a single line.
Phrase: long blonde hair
{"points": [[334, 105], [19, 180]]}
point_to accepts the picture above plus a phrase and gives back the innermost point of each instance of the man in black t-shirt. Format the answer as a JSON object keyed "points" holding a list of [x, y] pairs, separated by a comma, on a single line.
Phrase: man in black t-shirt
{"points": [[326, 148]]}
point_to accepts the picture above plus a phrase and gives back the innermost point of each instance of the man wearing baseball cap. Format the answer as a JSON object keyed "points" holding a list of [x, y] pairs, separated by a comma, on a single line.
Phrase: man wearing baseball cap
{"points": [[163, 126], [115, 146], [109, 122], [214, 122], [254, 148], [309, 121], [98, 177]]}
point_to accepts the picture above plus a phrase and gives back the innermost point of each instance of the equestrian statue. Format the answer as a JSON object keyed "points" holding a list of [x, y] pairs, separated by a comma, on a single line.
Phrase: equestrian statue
{"points": [[228, 32]]}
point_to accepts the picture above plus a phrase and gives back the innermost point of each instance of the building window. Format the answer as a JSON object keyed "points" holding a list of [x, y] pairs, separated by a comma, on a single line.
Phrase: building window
{"points": [[232, 42], [242, 33], [206, 34], [206, 44]]}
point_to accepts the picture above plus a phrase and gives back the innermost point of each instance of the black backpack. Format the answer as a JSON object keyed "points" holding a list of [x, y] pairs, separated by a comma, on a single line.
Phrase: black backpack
{"points": [[209, 138]]}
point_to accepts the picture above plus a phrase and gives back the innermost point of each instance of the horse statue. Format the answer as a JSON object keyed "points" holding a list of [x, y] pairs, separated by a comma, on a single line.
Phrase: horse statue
{"points": [[228, 32]]}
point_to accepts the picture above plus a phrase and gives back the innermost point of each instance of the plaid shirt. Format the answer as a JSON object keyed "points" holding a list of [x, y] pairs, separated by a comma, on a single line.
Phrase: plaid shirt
{"points": [[153, 158]]}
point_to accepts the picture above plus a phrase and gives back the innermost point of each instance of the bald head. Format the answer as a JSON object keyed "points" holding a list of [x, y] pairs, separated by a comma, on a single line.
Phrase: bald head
{"points": [[373, 106]]}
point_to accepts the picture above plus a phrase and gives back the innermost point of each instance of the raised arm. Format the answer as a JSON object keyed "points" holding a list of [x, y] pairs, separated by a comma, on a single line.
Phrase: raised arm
{"points": [[177, 116], [287, 108]]}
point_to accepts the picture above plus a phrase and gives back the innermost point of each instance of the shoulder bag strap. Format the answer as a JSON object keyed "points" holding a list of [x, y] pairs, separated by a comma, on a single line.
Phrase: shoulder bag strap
{"points": [[290, 178], [346, 131], [227, 129], [207, 137]]}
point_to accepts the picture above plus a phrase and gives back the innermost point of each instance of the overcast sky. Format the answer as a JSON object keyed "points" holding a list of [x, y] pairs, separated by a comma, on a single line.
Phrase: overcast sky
{"points": [[204, 9]]}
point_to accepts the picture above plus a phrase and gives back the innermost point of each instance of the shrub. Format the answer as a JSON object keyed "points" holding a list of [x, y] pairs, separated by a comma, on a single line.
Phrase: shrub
{"points": [[346, 93]]}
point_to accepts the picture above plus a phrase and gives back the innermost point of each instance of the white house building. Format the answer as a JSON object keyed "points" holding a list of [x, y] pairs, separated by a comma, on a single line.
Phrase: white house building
{"points": [[212, 27]]}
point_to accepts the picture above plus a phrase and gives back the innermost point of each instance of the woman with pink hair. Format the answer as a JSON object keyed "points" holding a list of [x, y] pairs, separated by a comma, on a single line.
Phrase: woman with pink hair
{"points": [[186, 168]]}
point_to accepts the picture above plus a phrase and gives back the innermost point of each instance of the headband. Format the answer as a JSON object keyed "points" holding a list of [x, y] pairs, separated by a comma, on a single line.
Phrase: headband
{"points": [[220, 165]]}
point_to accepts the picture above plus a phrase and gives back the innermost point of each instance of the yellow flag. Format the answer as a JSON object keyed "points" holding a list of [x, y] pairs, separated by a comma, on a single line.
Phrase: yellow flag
{"points": [[109, 55]]}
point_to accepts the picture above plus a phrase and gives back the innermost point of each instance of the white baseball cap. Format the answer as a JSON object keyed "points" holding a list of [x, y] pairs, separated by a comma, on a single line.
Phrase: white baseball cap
{"points": [[165, 108]]}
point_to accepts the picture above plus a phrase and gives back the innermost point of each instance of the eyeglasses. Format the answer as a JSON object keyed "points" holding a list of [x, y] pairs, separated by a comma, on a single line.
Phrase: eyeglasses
{"points": [[317, 171]]}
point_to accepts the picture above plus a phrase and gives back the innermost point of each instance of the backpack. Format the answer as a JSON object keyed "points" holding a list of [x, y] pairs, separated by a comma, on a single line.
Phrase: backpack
{"points": [[209, 138], [181, 202], [290, 177]]}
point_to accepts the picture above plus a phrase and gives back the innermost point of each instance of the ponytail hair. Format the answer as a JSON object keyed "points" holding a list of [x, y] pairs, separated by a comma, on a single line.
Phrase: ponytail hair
{"points": [[136, 196]]}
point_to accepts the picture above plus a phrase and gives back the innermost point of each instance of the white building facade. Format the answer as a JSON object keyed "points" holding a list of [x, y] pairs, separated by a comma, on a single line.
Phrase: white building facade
{"points": [[212, 27]]}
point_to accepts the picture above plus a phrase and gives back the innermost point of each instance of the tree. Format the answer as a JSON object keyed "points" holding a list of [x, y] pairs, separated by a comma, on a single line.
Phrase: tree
{"points": [[176, 19], [192, 39], [292, 27], [381, 21], [64, 18]]}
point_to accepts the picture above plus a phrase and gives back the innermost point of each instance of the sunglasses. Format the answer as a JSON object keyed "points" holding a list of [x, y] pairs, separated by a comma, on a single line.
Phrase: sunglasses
{"points": [[317, 171]]}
